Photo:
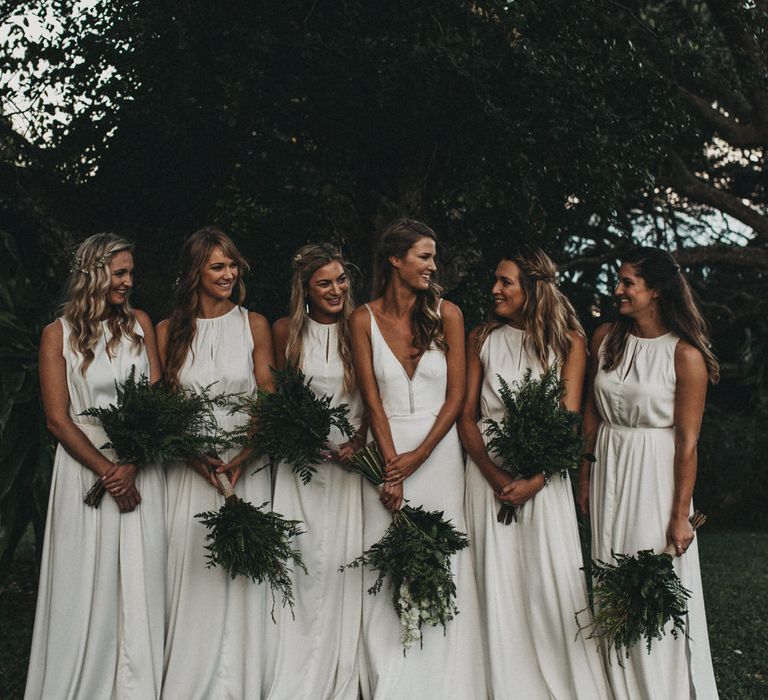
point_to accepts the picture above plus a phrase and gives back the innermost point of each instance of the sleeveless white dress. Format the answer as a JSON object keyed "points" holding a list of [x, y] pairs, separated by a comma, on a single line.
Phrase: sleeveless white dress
{"points": [[450, 666], [528, 572], [631, 493], [100, 605], [315, 655], [215, 624]]}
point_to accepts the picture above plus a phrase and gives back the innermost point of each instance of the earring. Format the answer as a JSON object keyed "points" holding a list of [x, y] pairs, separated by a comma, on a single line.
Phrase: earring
{"points": [[306, 305]]}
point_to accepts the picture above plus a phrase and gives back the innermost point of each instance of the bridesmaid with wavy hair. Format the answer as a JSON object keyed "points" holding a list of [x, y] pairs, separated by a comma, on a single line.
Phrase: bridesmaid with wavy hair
{"points": [[316, 654], [408, 351], [215, 624], [528, 571], [99, 621], [649, 376]]}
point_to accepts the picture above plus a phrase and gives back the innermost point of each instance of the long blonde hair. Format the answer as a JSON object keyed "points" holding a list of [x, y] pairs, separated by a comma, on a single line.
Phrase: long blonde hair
{"points": [[677, 305], [396, 241], [307, 260], [87, 304], [548, 315], [182, 323]]}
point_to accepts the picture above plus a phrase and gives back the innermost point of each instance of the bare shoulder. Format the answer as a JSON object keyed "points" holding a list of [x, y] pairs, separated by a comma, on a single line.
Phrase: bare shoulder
{"points": [[258, 322], [577, 340], [450, 312], [52, 335], [360, 319], [599, 336], [143, 319], [281, 327], [688, 356]]}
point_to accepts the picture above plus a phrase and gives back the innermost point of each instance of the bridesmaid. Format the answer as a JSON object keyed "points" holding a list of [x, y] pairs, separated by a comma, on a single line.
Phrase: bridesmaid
{"points": [[215, 625], [528, 571], [408, 351], [316, 654], [649, 381], [99, 621]]}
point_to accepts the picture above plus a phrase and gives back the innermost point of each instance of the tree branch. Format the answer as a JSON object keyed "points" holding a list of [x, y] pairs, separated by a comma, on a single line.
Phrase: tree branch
{"points": [[739, 256], [676, 174], [749, 135]]}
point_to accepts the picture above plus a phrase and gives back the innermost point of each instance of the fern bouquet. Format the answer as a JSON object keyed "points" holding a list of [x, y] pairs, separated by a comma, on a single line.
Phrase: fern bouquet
{"points": [[292, 424], [537, 435], [637, 597], [414, 554], [246, 540], [149, 425]]}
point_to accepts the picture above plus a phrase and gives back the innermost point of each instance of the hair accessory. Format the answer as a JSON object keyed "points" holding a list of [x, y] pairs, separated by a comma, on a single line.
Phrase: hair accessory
{"points": [[77, 265], [297, 257]]}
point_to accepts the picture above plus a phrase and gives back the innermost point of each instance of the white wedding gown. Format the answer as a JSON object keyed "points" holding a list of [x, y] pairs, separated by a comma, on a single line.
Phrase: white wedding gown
{"points": [[632, 487], [315, 655], [99, 619], [215, 625], [450, 666], [528, 572]]}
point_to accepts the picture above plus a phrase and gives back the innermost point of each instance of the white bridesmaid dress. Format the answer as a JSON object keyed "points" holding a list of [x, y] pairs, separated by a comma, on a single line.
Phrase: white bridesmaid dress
{"points": [[450, 666], [315, 653], [215, 625], [100, 606], [632, 487], [528, 572]]}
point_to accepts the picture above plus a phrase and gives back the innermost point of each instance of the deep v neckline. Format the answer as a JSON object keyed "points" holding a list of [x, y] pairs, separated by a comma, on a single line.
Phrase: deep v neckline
{"points": [[410, 378]]}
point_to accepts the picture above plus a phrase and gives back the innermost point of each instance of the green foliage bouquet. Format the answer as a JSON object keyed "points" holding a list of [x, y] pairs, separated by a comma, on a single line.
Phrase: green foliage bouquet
{"points": [[148, 424], [250, 541], [292, 424], [414, 554], [637, 596], [537, 434]]}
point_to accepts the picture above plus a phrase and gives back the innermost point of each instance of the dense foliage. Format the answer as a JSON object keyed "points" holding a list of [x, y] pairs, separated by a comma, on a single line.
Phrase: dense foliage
{"points": [[292, 423], [414, 556], [537, 434], [246, 540]]}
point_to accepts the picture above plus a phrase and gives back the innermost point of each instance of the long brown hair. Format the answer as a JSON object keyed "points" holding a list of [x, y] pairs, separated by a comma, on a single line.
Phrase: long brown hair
{"points": [[548, 315], [677, 306], [87, 305], [182, 322], [396, 241], [307, 260]]}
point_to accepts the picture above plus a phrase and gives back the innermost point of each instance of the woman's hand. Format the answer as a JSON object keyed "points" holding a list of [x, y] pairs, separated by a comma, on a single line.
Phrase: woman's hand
{"points": [[129, 501], [233, 469], [391, 496], [520, 491], [205, 465], [119, 479], [347, 449], [401, 466], [680, 534]]}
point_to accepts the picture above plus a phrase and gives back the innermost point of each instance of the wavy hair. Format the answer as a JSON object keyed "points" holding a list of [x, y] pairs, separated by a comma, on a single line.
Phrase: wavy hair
{"points": [[677, 306], [548, 316], [182, 323], [396, 241], [87, 303], [307, 260]]}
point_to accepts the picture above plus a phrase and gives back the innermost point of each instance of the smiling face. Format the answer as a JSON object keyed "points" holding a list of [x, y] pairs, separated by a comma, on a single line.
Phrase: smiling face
{"points": [[327, 292], [121, 277], [508, 293], [219, 275], [416, 268], [633, 296]]}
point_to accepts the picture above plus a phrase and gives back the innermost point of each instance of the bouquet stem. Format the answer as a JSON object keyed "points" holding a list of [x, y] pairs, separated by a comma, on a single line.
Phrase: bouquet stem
{"points": [[697, 520], [95, 494], [507, 514]]}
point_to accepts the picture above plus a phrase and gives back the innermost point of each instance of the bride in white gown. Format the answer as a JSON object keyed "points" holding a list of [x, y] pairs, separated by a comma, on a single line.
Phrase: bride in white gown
{"points": [[312, 651], [99, 620], [408, 351], [215, 625]]}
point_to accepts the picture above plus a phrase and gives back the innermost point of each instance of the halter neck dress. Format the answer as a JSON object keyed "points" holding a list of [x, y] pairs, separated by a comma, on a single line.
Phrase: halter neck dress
{"points": [[528, 572], [215, 625], [99, 620], [631, 491], [450, 666], [315, 655]]}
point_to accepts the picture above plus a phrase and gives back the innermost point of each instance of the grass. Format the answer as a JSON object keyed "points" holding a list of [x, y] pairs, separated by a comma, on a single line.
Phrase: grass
{"points": [[735, 573]]}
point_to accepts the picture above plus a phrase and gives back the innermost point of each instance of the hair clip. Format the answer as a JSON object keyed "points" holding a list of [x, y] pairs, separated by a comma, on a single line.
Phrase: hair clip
{"points": [[101, 261], [297, 257]]}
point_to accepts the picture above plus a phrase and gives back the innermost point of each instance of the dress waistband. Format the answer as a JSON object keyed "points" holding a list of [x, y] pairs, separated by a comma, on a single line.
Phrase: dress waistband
{"points": [[636, 428]]}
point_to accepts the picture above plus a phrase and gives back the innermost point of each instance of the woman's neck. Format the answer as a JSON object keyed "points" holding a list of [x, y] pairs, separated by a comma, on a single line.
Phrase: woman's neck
{"points": [[648, 326], [213, 308], [398, 299]]}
